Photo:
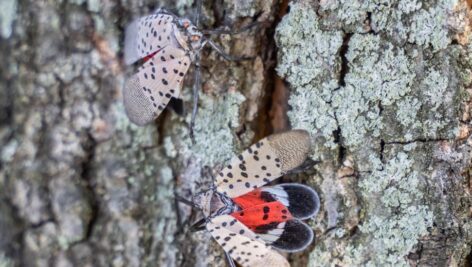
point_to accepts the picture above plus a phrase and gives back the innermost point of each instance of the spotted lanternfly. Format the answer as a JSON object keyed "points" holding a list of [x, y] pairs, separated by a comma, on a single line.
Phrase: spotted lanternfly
{"points": [[250, 220], [168, 45]]}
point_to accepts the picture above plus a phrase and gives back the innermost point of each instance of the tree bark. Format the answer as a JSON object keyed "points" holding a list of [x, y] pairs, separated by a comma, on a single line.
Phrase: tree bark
{"points": [[382, 86]]}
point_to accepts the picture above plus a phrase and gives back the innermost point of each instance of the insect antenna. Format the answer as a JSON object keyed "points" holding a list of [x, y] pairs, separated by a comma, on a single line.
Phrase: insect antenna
{"points": [[225, 30], [197, 76], [198, 6], [225, 55], [195, 90], [186, 202], [177, 213]]}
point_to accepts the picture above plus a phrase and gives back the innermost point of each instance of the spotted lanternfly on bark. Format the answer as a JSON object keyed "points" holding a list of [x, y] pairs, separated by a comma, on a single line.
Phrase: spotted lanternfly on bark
{"points": [[167, 44], [250, 220]]}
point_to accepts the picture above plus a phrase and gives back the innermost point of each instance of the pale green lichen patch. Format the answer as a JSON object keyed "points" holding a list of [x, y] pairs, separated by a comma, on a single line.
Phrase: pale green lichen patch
{"points": [[7, 17], [133, 136], [425, 24], [395, 216], [182, 5], [311, 112], [374, 79], [387, 97], [350, 13], [308, 60], [399, 218], [430, 26], [396, 83], [380, 77], [4, 261], [215, 124], [306, 52]]}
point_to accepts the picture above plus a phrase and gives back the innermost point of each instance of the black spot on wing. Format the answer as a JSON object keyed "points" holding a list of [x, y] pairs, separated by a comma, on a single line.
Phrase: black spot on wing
{"points": [[266, 209], [267, 197]]}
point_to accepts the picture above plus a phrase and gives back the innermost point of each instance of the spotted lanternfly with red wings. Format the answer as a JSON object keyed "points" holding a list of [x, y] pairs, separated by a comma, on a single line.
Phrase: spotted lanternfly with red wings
{"points": [[167, 44], [250, 220]]}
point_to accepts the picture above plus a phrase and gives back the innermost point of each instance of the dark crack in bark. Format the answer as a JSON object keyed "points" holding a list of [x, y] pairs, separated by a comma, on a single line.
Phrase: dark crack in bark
{"points": [[86, 175], [344, 61], [272, 114]]}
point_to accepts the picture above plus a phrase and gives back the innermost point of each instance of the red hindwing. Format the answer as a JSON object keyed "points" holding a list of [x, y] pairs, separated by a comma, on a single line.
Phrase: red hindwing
{"points": [[250, 199], [148, 57], [257, 211]]}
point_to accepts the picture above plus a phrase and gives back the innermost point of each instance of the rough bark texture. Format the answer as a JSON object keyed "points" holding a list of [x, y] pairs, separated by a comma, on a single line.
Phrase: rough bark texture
{"points": [[382, 86]]}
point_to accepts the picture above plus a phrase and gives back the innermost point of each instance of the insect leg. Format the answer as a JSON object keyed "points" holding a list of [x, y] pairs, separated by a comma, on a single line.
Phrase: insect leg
{"points": [[178, 215], [185, 201], [229, 260], [199, 4], [226, 56], [306, 165], [198, 226], [196, 89]]}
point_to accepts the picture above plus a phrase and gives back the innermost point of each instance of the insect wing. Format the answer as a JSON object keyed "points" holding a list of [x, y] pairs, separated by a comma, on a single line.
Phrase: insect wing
{"points": [[301, 201], [274, 223], [263, 162], [242, 244], [273, 213], [147, 35], [147, 93], [292, 235], [267, 213]]}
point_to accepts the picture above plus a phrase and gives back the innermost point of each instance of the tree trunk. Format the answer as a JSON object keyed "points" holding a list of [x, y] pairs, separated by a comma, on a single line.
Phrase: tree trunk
{"points": [[382, 86]]}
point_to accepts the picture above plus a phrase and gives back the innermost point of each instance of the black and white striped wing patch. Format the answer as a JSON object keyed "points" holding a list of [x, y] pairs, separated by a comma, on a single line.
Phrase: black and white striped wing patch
{"points": [[263, 162], [291, 236], [148, 92], [302, 201], [242, 244], [147, 35]]}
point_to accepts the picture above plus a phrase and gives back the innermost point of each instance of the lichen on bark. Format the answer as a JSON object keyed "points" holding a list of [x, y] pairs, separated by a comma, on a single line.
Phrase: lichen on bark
{"points": [[382, 86], [386, 93]]}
